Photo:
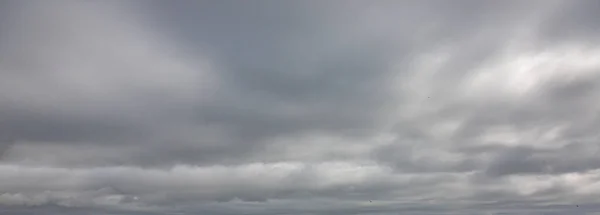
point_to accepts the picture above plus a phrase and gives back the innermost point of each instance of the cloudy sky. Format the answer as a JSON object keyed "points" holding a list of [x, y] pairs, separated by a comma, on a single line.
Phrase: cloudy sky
{"points": [[313, 107]]}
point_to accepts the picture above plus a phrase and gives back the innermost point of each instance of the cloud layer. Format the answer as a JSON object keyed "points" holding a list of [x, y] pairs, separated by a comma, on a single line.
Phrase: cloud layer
{"points": [[304, 107]]}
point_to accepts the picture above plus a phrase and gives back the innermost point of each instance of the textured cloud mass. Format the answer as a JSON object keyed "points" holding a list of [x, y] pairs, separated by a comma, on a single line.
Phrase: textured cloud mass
{"points": [[299, 107]]}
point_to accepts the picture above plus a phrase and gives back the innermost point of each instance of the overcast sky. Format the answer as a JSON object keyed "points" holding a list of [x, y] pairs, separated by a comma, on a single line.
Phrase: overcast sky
{"points": [[305, 107]]}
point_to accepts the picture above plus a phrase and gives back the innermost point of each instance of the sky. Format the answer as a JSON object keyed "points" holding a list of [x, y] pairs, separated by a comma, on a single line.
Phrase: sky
{"points": [[312, 107]]}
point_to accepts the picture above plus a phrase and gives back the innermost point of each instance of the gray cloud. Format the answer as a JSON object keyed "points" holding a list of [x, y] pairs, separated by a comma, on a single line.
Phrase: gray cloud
{"points": [[307, 107]]}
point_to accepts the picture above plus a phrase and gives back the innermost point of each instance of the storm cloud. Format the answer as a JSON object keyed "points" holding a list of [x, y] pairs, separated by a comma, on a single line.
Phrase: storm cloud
{"points": [[299, 107]]}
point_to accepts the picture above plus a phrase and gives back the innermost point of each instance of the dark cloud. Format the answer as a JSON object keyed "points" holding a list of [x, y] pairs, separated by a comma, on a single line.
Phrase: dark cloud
{"points": [[572, 21], [311, 107], [522, 160]]}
